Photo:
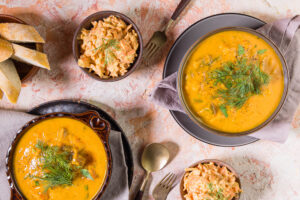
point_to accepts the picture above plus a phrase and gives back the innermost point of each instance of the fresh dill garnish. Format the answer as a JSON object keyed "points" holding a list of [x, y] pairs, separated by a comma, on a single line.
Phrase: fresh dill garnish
{"points": [[57, 167], [37, 183], [107, 47], [210, 62], [220, 195], [241, 80], [210, 187], [223, 110], [109, 57], [86, 187], [241, 50], [261, 51], [86, 173], [106, 44], [217, 195]]}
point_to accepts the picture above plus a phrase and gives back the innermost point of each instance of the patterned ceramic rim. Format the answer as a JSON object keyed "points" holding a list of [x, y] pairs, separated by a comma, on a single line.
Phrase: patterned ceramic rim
{"points": [[217, 163], [90, 118], [195, 118], [98, 16]]}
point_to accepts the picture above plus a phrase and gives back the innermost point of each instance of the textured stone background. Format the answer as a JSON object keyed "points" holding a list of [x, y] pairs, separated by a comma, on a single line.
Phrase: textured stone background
{"points": [[268, 170]]}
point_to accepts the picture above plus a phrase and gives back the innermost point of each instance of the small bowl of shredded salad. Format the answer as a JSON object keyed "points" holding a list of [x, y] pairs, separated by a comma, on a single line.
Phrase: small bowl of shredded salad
{"points": [[210, 180], [107, 46]]}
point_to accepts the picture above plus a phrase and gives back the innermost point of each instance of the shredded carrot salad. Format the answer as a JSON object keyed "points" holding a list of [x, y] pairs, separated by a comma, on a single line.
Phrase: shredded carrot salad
{"points": [[208, 181], [109, 48]]}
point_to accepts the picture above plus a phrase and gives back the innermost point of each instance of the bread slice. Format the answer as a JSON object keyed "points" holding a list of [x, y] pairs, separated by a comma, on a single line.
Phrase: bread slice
{"points": [[10, 82], [1, 94], [20, 33], [30, 56], [6, 50]]}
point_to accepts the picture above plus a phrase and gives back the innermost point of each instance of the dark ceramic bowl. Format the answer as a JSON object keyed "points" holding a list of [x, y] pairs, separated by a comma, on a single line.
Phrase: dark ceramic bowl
{"points": [[217, 163], [25, 71], [91, 118], [87, 25], [190, 112]]}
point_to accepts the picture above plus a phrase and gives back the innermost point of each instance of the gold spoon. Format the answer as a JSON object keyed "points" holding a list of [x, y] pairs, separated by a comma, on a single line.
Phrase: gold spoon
{"points": [[154, 158]]}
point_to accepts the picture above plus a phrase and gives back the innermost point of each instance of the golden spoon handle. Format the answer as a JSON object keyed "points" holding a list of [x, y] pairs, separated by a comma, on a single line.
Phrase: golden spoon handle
{"points": [[139, 195]]}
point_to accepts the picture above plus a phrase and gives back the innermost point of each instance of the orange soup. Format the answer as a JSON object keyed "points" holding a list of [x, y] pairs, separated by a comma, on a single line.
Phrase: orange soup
{"points": [[60, 159], [233, 81]]}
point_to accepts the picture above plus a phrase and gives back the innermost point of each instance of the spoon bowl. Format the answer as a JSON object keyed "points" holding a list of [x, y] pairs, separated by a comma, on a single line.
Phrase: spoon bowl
{"points": [[155, 157]]}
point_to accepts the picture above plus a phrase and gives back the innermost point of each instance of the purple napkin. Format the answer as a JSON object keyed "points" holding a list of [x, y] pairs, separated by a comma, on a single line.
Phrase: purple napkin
{"points": [[285, 35]]}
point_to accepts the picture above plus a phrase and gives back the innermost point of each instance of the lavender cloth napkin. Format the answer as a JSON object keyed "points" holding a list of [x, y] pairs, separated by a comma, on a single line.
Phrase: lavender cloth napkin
{"points": [[11, 121], [285, 35]]}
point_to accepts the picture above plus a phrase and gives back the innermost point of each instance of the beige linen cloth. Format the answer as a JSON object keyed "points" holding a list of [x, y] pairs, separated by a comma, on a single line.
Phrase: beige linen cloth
{"points": [[11, 121], [285, 34]]}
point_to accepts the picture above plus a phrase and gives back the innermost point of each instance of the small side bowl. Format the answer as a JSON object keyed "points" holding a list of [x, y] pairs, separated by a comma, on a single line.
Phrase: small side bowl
{"points": [[25, 71], [217, 163], [91, 118], [196, 119], [86, 23]]}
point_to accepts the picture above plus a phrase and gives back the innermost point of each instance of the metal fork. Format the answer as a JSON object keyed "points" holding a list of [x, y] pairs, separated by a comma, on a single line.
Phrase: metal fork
{"points": [[159, 38], [163, 188]]}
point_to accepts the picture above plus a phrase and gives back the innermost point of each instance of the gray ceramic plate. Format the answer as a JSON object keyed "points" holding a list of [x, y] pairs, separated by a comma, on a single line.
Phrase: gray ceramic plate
{"points": [[176, 54]]}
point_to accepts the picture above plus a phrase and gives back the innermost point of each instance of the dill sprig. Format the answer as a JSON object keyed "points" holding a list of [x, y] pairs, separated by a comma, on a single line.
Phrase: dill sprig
{"points": [[108, 43], [217, 194], [241, 79], [210, 61], [57, 167], [107, 48]]}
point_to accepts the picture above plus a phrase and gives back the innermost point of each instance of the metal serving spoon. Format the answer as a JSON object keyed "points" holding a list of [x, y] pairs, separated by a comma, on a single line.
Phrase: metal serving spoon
{"points": [[154, 158]]}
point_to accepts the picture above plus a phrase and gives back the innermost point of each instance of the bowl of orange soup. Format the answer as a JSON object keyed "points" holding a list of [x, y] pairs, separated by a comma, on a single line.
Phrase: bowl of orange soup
{"points": [[61, 156], [233, 81]]}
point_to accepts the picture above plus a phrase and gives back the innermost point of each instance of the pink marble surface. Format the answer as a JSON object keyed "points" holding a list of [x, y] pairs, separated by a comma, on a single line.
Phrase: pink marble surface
{"points": [[268, 170]]}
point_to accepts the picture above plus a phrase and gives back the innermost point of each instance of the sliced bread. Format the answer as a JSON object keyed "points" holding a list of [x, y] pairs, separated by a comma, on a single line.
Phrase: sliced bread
{"points": [[10, 82], [20, 33], [30, 56], [6, 50]]}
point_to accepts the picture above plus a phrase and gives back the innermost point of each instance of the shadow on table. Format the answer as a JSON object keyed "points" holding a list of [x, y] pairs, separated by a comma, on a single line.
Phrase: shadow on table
{"points": [[255, 175], [157, 19], [261, 15], [142, 125], [58, 35], [104, 107], [173, 149]]}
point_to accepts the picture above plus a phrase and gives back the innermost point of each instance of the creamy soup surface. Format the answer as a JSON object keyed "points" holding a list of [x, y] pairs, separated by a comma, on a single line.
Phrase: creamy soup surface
{"points": [[60, 159], [233, 81]]}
